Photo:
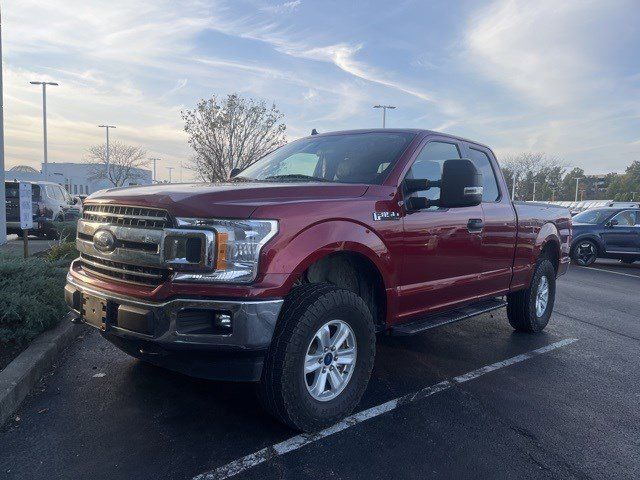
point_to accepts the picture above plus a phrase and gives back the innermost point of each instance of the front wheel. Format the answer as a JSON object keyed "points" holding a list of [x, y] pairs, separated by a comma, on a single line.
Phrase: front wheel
{"points": [[585, 253], [320, 359], [529, 310]]}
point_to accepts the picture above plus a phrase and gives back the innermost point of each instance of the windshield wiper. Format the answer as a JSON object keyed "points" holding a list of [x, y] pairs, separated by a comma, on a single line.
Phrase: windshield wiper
{"points": [[241, 179], [295, 176]]}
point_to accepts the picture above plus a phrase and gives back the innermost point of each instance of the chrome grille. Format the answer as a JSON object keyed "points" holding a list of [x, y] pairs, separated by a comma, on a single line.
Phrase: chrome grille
{"points": [[122, 215], [122, 271]]}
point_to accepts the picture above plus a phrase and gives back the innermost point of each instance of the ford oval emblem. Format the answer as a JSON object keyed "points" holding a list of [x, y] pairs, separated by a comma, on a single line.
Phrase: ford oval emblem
{"points": [[104, 241]]}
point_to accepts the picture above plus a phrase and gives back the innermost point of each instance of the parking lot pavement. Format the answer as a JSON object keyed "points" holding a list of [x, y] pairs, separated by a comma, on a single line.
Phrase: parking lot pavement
{"points": [[14, 245], [571, 412]]}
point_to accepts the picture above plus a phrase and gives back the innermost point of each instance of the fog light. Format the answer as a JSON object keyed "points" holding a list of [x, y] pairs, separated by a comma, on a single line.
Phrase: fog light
{"points": [[195, 321], [223, 320]]}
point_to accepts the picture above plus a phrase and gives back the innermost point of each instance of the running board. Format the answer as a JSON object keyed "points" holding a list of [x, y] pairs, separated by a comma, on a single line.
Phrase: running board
{"points": [[442, 318]]}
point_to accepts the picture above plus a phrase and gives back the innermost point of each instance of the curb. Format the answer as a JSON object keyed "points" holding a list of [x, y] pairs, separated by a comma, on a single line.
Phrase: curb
{"points": [[24, 371]]}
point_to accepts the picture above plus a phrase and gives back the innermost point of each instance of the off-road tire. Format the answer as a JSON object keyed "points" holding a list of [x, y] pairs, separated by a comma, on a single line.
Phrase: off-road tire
{"points": [[282, 389], [521, 306]]}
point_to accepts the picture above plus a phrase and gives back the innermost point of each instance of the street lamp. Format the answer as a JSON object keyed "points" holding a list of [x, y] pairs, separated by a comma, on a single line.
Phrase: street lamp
{"points": [[577, 183], [107, 127], [44, 121], [513, 187], [384, 112], [534, 191], [170, 170], [3, 212], [154, 159]]}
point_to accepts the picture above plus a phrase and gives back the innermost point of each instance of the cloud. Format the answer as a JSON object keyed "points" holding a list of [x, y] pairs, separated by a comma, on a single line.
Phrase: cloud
{"points": [[536, 48], [286, 7]]}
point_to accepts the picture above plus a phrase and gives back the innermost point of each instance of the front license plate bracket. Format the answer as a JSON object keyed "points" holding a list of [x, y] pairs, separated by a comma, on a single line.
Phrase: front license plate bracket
{"points": [[94, 311]]}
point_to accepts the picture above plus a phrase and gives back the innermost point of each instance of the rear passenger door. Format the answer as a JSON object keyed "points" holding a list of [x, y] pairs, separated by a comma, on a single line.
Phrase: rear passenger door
{"points": [[500, 229]]}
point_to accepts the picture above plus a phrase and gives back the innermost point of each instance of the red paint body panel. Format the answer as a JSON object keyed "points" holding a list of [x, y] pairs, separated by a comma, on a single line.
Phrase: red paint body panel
{"points": [[428, 259]]}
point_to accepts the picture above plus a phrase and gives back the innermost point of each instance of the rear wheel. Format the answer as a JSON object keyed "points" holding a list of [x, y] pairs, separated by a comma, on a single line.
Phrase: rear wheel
{"points": [[529, 310], [320, 359], [585, 253]]}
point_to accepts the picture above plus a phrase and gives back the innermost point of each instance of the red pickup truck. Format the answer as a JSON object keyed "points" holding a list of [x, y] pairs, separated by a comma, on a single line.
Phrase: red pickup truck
{"points": [[285, 274]]}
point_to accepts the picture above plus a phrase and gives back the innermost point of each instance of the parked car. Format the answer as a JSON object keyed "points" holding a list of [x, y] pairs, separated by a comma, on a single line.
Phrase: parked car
{"points": [[606, 233], [51, 203], [284, 275]]}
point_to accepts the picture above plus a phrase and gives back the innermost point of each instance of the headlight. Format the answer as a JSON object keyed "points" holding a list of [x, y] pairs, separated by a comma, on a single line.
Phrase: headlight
{"points": [[237, 248]]}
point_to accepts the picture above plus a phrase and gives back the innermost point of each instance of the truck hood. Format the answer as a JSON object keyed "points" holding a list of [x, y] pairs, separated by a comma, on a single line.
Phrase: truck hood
{"points": [[226, 200]]}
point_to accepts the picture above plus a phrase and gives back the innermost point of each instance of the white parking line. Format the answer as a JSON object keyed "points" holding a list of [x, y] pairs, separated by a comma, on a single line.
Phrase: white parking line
{"points": [[609, 271], [245, 463]]}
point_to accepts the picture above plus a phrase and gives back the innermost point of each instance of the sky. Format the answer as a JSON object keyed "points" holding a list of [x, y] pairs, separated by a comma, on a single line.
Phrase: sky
{"points": [[560, 77]]}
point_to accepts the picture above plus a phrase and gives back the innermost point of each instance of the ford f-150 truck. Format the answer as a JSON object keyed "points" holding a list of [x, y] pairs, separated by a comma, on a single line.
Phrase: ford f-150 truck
{"points": [[285, 274]]}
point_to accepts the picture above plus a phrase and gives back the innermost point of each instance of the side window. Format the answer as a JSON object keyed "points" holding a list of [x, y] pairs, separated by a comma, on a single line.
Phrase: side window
{"points": [[625, 219], [428, 165], [489, 183], [51, 192]]}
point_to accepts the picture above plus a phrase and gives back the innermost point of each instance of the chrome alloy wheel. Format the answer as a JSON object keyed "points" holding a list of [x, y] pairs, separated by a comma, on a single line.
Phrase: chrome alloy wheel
{"points": [[330, 360], [586, 253], [542, 296]]}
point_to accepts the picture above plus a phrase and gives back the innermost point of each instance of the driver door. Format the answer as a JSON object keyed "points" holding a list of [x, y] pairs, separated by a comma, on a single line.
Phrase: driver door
{"points": [[442, 259], [622, 234]]}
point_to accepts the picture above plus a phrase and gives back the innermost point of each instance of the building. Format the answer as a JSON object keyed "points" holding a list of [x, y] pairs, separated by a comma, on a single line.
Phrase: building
{"points": [[74, 177]]}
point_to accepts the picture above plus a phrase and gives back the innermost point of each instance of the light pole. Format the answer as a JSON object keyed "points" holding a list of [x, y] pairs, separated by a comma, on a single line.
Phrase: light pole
{"points": [[384, 112], [577, 183], [107, 127], [170, 170], [513, 187], [534, 191], [3, 212], [180, 172], [154, 159], [44, 121]]}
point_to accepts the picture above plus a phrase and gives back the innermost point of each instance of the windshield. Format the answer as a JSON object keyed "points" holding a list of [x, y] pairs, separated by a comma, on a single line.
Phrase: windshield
{"points": [[12, 190], [592, 217], [351, 158]]}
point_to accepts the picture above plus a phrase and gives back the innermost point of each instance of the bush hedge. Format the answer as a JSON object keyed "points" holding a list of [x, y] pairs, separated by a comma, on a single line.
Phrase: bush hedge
{"points": [[66, 230], [31, 295]]}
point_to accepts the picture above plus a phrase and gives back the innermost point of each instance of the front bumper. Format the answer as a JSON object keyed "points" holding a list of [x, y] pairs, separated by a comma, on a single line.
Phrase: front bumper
{"points": [[157, 332]]}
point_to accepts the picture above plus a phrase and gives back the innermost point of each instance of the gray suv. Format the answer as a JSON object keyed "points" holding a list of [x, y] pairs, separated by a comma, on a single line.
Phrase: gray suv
{"points": [[51, 203]]}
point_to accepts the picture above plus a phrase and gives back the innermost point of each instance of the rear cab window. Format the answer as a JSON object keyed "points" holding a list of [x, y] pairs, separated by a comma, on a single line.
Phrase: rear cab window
{"points": [[491, 192]]}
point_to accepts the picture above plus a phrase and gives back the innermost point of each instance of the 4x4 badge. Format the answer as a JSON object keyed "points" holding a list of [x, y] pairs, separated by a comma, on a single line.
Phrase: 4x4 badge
{"points": [[378, 216]]}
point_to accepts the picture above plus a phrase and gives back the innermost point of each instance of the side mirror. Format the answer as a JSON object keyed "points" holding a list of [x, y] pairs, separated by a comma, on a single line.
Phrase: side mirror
{"points": [[461, 184], [611, 223], [234, 172]]}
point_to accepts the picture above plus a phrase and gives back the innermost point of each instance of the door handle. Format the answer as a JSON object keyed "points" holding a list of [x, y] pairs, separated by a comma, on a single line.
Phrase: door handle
{"points": [[474, 225]]}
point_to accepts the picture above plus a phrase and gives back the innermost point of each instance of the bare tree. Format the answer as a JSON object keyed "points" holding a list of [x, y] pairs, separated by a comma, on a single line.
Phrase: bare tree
{"points": [[231, 133], [530, 168], [125, 162]]}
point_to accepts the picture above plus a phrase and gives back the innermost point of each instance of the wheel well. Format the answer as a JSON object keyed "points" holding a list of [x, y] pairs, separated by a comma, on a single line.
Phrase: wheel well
{"points": [[551, 251], [355, 272]]}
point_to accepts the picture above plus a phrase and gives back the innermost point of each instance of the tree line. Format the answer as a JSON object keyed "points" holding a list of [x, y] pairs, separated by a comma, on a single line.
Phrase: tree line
{"points": [[552, 180]]}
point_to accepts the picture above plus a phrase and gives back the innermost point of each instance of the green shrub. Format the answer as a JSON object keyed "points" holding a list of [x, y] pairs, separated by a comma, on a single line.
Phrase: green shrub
{"points": [[31, 296], [66, 230], [62, 251]]}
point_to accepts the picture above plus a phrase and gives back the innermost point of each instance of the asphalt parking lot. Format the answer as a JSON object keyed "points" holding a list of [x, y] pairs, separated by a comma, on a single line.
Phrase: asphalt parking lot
{"points": [[507, 407]]}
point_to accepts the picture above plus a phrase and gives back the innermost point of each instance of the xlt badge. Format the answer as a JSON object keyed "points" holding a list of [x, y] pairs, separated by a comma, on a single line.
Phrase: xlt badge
{"points": [[378, 216]]}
